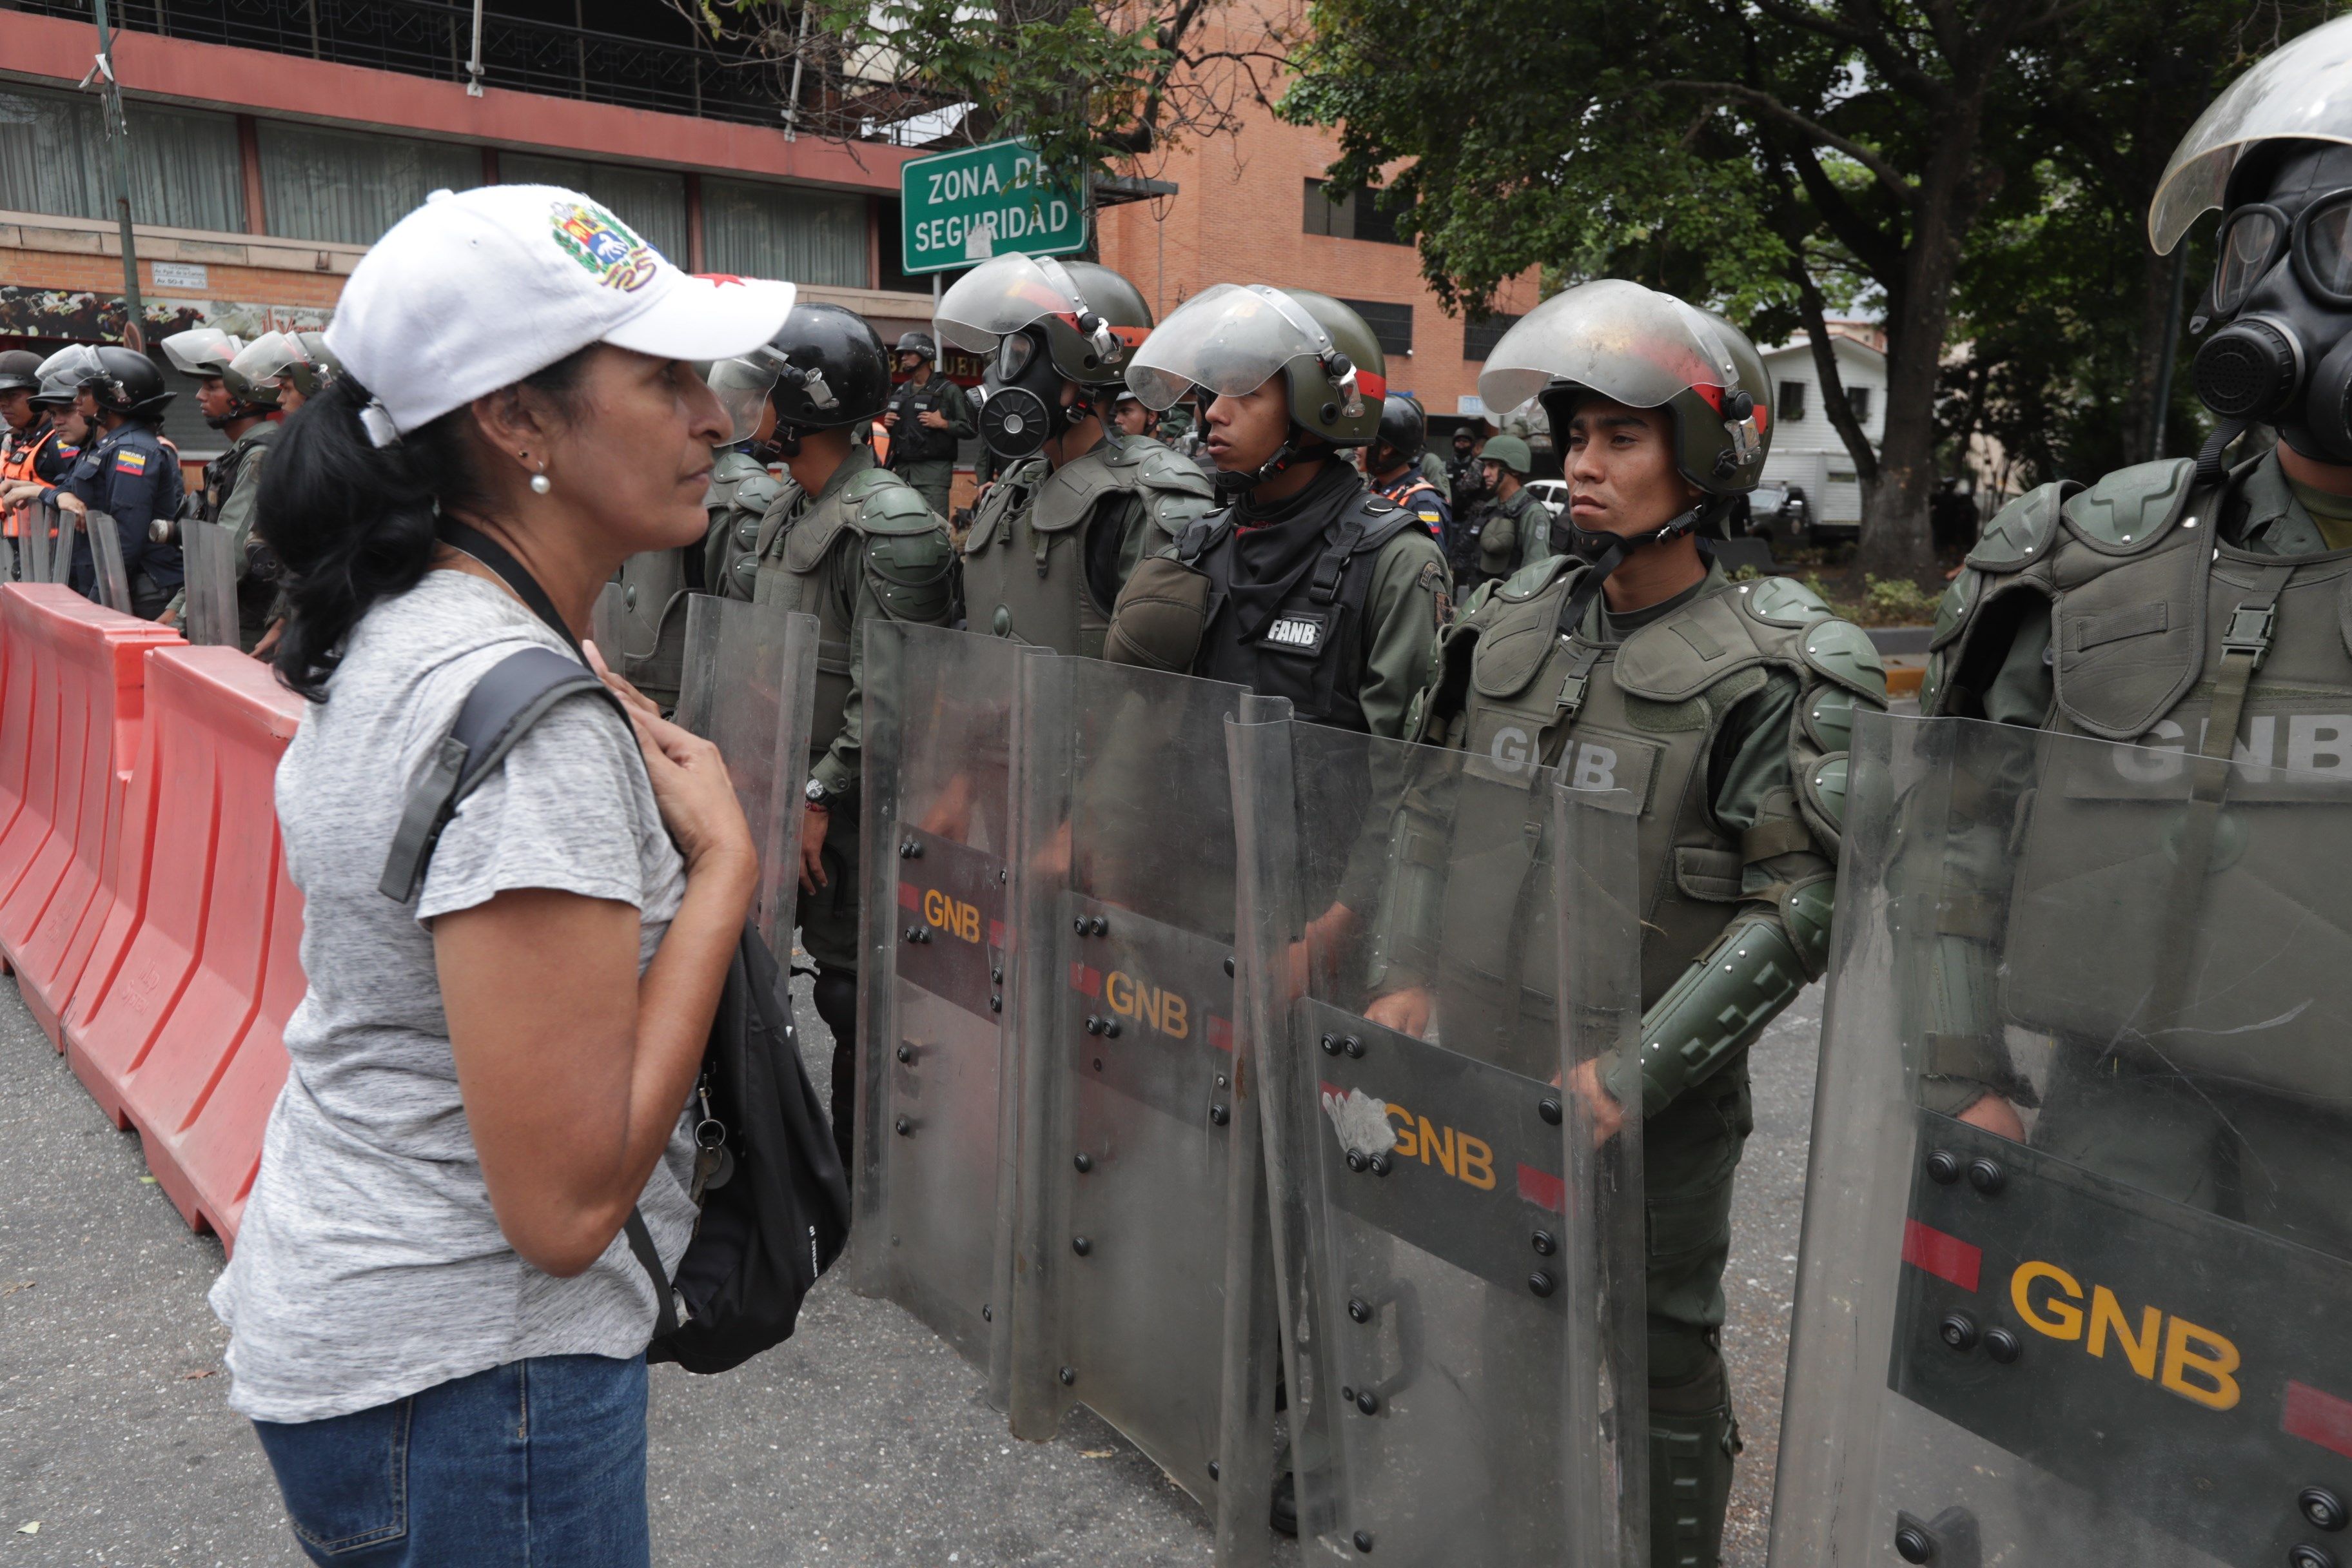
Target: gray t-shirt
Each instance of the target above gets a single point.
(369, 1264)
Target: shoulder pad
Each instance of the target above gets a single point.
(1202, 534)
(1782, 602)
(1533, 578)
(2020, 534)
(1824, 786)
(1163, 469)
(890, 505)
(2127, 511)
(757, 492)
(1380, 520)
(1952, 611)
(1843, 653)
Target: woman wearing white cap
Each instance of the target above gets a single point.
(437, 1326)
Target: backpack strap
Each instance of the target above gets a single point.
(499, 711)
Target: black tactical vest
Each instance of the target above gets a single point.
(1312, 651)
(911, 440)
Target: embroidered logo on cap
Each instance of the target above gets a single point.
(603, 245)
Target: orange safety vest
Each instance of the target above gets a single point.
(17, 463)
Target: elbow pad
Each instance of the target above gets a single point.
(1718, 1006)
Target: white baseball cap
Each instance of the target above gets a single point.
(477, 290)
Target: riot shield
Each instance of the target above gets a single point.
(1140, 1286)
(112, 587)
(750, 683)
(1459, 1248)
(934, 1179)
(608, 621)
(38, 520)
(209, 557)
(2077, 1251)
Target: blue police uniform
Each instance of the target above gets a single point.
(130, 476)
(1411, 491)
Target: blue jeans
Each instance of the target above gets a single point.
(532, 1464)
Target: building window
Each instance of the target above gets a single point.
(651, 201)
(347, 187)
(1480, 336)
(784, 231)
(186, 172)
(1349, 213)
(1792, 400)
(1391, 324)
(1858, 399)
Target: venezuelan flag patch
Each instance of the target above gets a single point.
(132, 463)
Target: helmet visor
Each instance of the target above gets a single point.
(1630, 344)
(265, 358)
(1229, 339)
(1003, 295)
(200, 350)
(71, 366)
(744, 385)
(2303, 91)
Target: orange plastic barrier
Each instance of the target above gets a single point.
(183, 1040)
(70, 705)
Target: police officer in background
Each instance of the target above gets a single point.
(926, 415)
(297, 363)
(1130, 419)
(25, 432)
(1635, 664)
(843, 541)
(1077, 505)
(1393, 465)
(1466, 484)
(1517, 529)
(126, 471)
(1303, 585)
(239, 407)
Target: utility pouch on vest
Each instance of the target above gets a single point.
(1161, 616)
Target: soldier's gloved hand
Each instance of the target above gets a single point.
(1315, 955)
(1996, 1116)
(1406, 1011)
(949, 815)
(813, 821)
(1608, 1116)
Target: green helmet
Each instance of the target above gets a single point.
(205, 353)
(1636, 346)
(300, 357)
(1511, 452)
(1091, 317)
(1231, 339)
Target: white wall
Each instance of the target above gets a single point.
(1808, 451)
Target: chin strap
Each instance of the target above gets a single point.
(1609, 552)
(1242, 482)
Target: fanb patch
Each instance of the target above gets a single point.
(603, 245)
(1300, 632)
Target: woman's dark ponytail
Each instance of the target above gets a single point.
(352, 523)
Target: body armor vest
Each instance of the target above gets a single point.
(20, 462)
(911, 440)
(741, 491)
(1041, 564)
(1312, 650)
(866, 524)
(224, 473)
(2164, 634)
(1530, 520)
(1643, 716)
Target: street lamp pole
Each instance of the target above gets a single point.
(118, 137)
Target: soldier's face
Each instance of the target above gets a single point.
(1621, 470)
(1244, 432)
(289, 396)
(1131, 417)
(213, 399)
(16, 407)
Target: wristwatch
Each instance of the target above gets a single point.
(817, 795)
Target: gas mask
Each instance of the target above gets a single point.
(2284, 286)
(1021, 407)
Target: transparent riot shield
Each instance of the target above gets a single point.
(113, 585)
(1459, 1244)
(208, 554)
(749, 689)
(1141, 1284)
(608, 621)
(38, 522)
(933, 1186)
(2077, 1254)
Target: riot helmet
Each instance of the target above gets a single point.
(20, 371)
(1045, 323)
(122, 380)
(1232, 339)
(917, 344)
(208, 353)
(300, 360)
(825, 369)
(1404, 429)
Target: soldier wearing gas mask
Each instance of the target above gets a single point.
(1075, 505)
(843, 541)
(1305, 585)
(1723, 708)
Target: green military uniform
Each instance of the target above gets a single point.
(1434, 470)
(232, 496)
(1514, 535)
(1050, 548)
(867, 544)
(741, 491)
(1725, 710)
(923, 456)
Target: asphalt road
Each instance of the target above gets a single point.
(863, 1440)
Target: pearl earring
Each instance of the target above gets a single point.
(539, 483)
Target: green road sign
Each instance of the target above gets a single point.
(961, 207)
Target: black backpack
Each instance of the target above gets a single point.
(775, 1220)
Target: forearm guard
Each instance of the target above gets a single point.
(1719, 1006)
